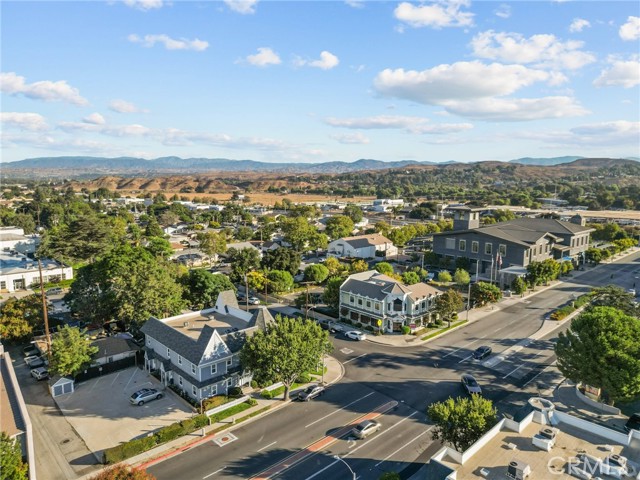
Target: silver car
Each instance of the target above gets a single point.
(145, 395)
(311, 392)
(366, 428)
(470, 384)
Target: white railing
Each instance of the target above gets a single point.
(227, 405)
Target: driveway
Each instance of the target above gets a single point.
(101, 413)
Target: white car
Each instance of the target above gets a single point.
(254, 301)
(355, 335)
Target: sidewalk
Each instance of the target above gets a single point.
(334, 373)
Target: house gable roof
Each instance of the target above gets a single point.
(362, 241)
(227, 298)
(377, 286)
(110, 346)
(262, 318)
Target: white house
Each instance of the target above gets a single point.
(386, 204)
(364, 246)
(19, 272)
(373, 299)
(13, 238)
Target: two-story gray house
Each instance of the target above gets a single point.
(371, 297)
(198, 351)
(515, 243)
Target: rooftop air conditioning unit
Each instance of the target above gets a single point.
(617, 460)
(518, 470)
(549, 433)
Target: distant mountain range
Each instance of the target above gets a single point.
(86, 166)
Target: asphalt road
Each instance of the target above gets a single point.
(395, 385)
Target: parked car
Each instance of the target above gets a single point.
(40, 373)
(30, 350)
(366, 428)
(34, 361)
(254, 301)
(470, 384)
(482, 352)
(633, 423)
(145, 395)
(311, 392)
(355, 335)
(54, 291)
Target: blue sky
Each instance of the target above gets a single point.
(312, 81)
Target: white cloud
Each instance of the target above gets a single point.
(517, 109)
(352, 138)
(630, 30)
(122, 106)
(144, 5)
(377, 122)
(46, 90)
(542, 50)
(133, 130)
(607, 134)
(24, 121)
(327, 61)
(442, 128)
(579, 24)
(244, 7)
(94, 119)
(443, 13)
(66, 145)
(503, 11)
(459, 81)
(169, 43)
(355, 3)
(264, 57)
(620, 73)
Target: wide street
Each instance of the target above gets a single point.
(395, 385)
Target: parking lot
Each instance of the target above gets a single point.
(101, 413)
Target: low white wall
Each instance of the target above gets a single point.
(482, 441)
(228, 405)
(609, 434)
(598, 405)
(518, 426)
(273, 387)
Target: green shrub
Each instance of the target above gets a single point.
(304, 378)
(168, 433)
(419, 332)
(215, 401)
(266, 394)
(128, 449)
(199, 421)
(406, 330)
(252, 402)
(254, 384)
(234, 392)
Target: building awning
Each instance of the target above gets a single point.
(567, 259)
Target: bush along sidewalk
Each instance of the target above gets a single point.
(170, 432)
(571, 307)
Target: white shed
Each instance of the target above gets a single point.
(61, 385)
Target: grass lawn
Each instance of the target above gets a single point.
(442, 330)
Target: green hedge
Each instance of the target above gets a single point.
(170, 432)
(566, 310)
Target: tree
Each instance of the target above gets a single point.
(359, 266)
(339, 226)
(601, 349)
(354, 212)
(242, 262)
(256, 280)
(153, 228)
(70, 351)
(18, 316)
(483, 293)
(123, 472)
(461, 277)
(11, 465)
(282, 259)
(203, 287)
(168, 217)
(331, 295)
(616, 297)
(384, 268)
(519, 286)
(299, 233)
(542, 272)
(159, 247)
(444, 276)
(448, 304)
(316, 273)
(212, 243)
(284, 351)
(334, 266)
(461, 422)
(279, 281)
(410, 278)
(243, 234)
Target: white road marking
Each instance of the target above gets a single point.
(346, 351)
(466, 344)
(132, 375)
(354, 358)
(116, 377)
(267, 446)
(465, 359)
(336, 411)
(537, 375)
(217, 471)
(410, 441)
(514, 370)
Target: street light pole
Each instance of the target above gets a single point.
(342, 460)
(45, 314)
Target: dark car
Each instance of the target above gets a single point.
(311, 392)
(481, 352)
(30, 350)
(633, 423)
(470, 384)
(145, 395)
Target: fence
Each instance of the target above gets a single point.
(107, 368)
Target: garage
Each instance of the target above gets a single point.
(61, 385)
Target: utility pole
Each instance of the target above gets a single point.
(44, 312)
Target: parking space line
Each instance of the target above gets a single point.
(116, 377)
(403, 446)
(132, 375)
(465, 359)
(336, 411)
(537, 375)
(514, 370)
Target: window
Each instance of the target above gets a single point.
(474, 247)
(230, 382)
(214, 368)
(229, 362)
(352, 299)
(194, 390)
(3, 285)
(179, 380)
(450, 243)
(179, 360)
(193, 368)
(376, 306)
(359, 301)
(462, 245)
(110, 359)
(488, 248)
(368, 304)
(214, 390)
(168, 352)
(502, 250)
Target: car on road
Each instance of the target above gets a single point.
(40, 373)
(633, 423)
(482, 352)
(366, 428)
(470, 384)
(34, 361)
(355, 335)
(311, 392)
(145, 395)
(54, 291)
(254, 301)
